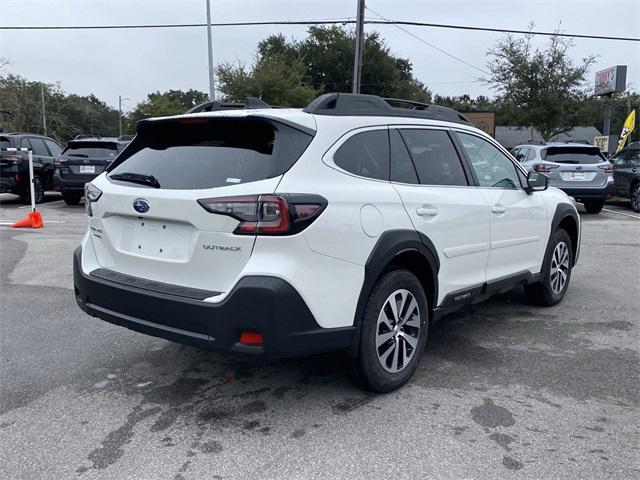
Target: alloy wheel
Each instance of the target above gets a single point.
(559, 267)
(398, 331)
(635, 199)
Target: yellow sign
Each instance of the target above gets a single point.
(629, 126)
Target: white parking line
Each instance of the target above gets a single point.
(43, 204)
(45, 221)
(621, 213)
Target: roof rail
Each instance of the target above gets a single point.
(249, 103)
(348, 104)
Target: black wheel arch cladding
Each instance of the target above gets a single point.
(392, 245)
(566, 217)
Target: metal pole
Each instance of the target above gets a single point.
(607, 117)
(212, 89)
(119, 115)
(44, 112)
(357, 63)
(33, 195)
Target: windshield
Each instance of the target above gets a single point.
(582, 155)
(198, 153)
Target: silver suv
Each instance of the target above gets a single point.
(580, 170)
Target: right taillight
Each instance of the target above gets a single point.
(91, 195)
(11, 158)
(608, 168)
(544, 167)
(283, 214)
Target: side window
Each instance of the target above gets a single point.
(402, 169)
(24, 143)
(434, 157)
(54, 148)
(531, 154)
(365, 154)
(38, 147)
(633, 157)
(492, 167)
(620, 158)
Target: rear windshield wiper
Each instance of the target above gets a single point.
(148, 180)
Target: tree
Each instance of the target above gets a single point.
(171, 102)
(544, 87)
(291, 73)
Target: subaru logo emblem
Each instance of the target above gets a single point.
(140, 205)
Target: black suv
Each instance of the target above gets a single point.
(627, 174)
(14, 166)
(81, 161)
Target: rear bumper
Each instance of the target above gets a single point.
(269, 305)
(589, 193)
(9, 184)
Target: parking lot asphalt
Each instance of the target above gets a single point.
(505, 390)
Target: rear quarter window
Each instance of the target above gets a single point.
(4, 142)
(201, 153)
(365, 154)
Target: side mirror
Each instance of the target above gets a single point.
(536, 182)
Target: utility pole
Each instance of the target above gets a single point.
(119, 115)
(357, 63)
(212, 88)
(44, 112)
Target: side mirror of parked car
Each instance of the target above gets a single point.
(536, 182)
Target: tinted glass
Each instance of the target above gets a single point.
(91, 149)
(4, 142)
(633, 157)
(531, 154)
(53, 147)
(211, 152)
(38, 147)
(365, 154)
(402, 169)
(572, 155)
(435, 157)
(492, 167)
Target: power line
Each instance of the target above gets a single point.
(420, 39)
(319, 22)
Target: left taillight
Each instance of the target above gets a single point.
(91, 195)
(11, 158)
(283, 214)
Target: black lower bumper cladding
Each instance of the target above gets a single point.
(268, 305)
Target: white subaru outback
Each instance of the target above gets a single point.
(352, 224)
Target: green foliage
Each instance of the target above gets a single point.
(172, 102)
(544, 87)
(291, 73)
(67, 115)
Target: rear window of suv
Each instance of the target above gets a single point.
(199, 153)
(91, 149)
(582, 155)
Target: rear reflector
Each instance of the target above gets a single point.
(251, 338)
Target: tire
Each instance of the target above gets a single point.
(38, 190)
(71, 198)
(383, 369)
(593, 206)
(635, 198)
(550, 290)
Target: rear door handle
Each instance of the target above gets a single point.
(427, 212)
(498, 209)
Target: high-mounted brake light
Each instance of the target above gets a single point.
(284, 214)
(544, 167)
(608, 169)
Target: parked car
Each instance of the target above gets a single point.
(627, 174)
(80, 162)
(14, 165)
(580, 170)
(352, 224)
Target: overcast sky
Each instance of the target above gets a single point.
(133, 63)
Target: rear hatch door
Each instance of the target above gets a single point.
(576, 166)
(158, 230)
(86, 158)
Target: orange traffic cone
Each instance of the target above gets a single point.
(32, 220)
